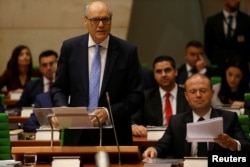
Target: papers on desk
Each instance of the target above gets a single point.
(45, 134)
(228, 107)
(9, 163)
(160, 162)
(155, 132)
(198, 161)
(26, 111)
(204, 131)
(66, 161)
(15, 95)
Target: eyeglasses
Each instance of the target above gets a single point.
(96, 21)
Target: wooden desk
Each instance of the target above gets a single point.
(138, 141)
(9, 102)
(29, 143)
(140, 164)
(87, 153)
(143, 141)
(17, 119)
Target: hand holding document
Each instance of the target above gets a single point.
(204, 131)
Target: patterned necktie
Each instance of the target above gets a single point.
(202, 146)
(94, 80)
(168, 108)
(229, 27)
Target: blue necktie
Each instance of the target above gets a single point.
(94, 80)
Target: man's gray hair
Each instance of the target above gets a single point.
(86, 8)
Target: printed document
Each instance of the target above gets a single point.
(204, 131)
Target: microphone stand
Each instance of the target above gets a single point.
(113, 124)
(52, 130)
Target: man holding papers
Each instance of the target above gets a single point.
(198, 92)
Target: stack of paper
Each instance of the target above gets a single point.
(66, 161)
(204, 131)
(155, 132)
(159, 162)
(15, 133)
(10, 163)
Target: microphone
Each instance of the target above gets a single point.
(113, 124)
(102, 159)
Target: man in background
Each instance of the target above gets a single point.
(155, 110)
(47, 62)
(227, 33)
(199, 92)
(194, 62)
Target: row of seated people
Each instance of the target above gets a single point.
(164, 78)
(232, 92)
(30, 88)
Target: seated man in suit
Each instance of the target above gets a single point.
(195, 63)
(154, 112)
(47, 60)
(199, 92)
(43, 100)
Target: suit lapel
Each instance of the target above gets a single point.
(220, 27)
(158, 106)
(188, 119)
(112, 55)
(180, 106)
(214, 114)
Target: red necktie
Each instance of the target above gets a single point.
(168, 108)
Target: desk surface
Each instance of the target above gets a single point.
(93, 165)
(87, 153)
(9, 102)
(138, 141)
(17, 119)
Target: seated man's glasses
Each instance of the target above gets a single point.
(96, 21)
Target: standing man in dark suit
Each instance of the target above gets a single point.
(227, 34)
(47, 62)
(199, 92)
(120, 72)
(153, 111)
(194, 62)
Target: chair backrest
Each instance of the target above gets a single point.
(247, 96)
(2, 105)
(244, 121)
(215, 80)
(5, 148)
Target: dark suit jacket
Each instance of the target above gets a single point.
(174, 141)
(42, 100)
(151, 112)
(183, 74)
(217, 47)
(122, 80)
(31, 90)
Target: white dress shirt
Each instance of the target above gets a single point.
(103, 54)
(172, 99)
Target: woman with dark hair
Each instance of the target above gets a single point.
(18, 71)
(234, 83)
